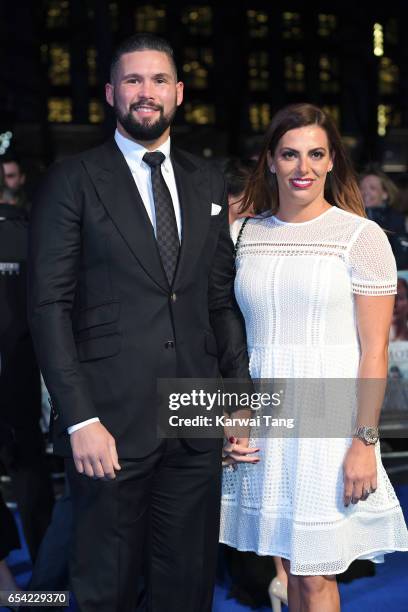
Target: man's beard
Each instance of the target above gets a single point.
(147, 129)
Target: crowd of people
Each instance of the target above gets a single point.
(22, 448)
(144, 262)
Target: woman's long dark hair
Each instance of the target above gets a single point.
(341, 189)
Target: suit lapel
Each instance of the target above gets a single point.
(195, 201)
(117, 190)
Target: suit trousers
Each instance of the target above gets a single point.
(159, 519)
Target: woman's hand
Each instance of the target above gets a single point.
(360, 472)
(236, 450)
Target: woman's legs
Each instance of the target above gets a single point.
(280, 571)
(312, 593)
(293, 589)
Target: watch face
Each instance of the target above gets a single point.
(371, 434)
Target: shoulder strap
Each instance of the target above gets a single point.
(245, 221)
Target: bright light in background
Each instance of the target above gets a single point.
(381, 120)
(5, 140)
(378, 40)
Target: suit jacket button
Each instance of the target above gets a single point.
(169, 344)
(173, 297)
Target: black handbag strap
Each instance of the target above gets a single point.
(238, 242)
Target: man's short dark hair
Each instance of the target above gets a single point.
(142, 42)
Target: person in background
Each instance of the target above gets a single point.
(380, 195)
(15, 179)
(403, 198)
(9, 538)
(237, 173)
(399, 326)
(23, 450)
(381, 200)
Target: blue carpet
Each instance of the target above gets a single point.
(385, 592)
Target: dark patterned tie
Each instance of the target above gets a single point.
(166, 226)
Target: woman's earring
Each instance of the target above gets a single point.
(272, 169)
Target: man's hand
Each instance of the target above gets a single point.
(94, 451)
(360, 472)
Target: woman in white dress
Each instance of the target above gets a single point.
(315, 283)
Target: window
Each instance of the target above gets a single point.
(91, 57)
(198, 20)
(257, 24)
(197, 64)
(291, 26)
(294, 70)
(327, 25)
(388, 76)
(96, 111)
(57, 14)
(328, 74)
(59, 65)
(114, 15)
(259, 116)
(387, 117)
(60, 110)
(201, 114)
(391, 31)
(149, 18)
(378, 40)
(258, 67)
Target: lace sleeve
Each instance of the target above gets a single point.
(373, 268)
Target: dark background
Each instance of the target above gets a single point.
(240, 62)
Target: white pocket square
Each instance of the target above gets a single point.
(215, 209)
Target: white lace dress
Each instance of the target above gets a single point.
(295, 284)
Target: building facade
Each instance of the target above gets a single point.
(239, 61)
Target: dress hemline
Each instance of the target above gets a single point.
(284, 555)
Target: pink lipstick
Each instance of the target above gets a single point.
(300, 183)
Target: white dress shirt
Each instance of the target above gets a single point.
(133, 154)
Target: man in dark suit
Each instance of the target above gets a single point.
(132, 272)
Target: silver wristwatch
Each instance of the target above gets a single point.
(369, 435)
